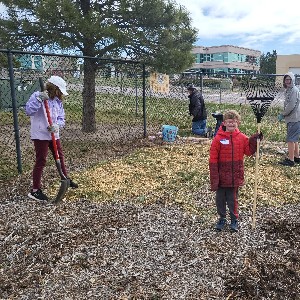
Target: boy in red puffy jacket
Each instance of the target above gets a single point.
(226, 166)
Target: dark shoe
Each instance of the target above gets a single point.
(287, 162)
(221, 224)
(38, 195)
(234, 225)
(297, 160)
(73, 184)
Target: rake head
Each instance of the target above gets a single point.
(260, 95)
(260, 107)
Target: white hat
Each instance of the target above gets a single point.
(60, 83)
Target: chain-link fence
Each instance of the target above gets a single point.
(221, 92)
(129, 103)
(117, 109)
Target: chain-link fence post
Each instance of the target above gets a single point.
(15, 111)
(144, 100)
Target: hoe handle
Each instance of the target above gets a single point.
(52, 133)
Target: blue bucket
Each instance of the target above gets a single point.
(169, 133)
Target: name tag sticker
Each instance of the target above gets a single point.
(224, 142)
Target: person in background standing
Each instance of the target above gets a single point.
(291, 116)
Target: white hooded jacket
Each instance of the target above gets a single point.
(38, 118)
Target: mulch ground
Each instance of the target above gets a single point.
(86, 250)
(82, 249)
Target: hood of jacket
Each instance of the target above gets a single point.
(290, 74)
(194, 92)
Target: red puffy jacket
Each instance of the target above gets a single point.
(226, 161)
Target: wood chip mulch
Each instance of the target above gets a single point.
(85, 250)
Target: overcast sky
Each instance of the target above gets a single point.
(263, 25)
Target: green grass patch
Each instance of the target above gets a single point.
(119, 109)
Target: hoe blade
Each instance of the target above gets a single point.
(64, 185)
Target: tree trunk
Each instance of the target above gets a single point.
(88, 96)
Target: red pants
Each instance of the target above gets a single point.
(41, 152)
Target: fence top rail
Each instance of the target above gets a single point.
(231, 74)
(70, 55)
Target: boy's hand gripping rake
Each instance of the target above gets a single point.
(64, 185)
(260, 96)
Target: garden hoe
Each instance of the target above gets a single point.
(64, 183)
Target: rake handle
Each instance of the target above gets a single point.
(256, 178)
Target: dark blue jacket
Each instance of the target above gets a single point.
(197, 106)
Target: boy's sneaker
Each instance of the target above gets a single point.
(287, 162)
(234, 225)
(297, 160)
(38, 195)
(221, 224)
(73, 184)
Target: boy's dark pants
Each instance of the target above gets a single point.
(227, 196)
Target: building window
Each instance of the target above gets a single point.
(225, 57)
(206, 57)
(217, 57)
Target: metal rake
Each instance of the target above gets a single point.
(260, 94)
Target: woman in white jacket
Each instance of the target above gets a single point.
(40, 130)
